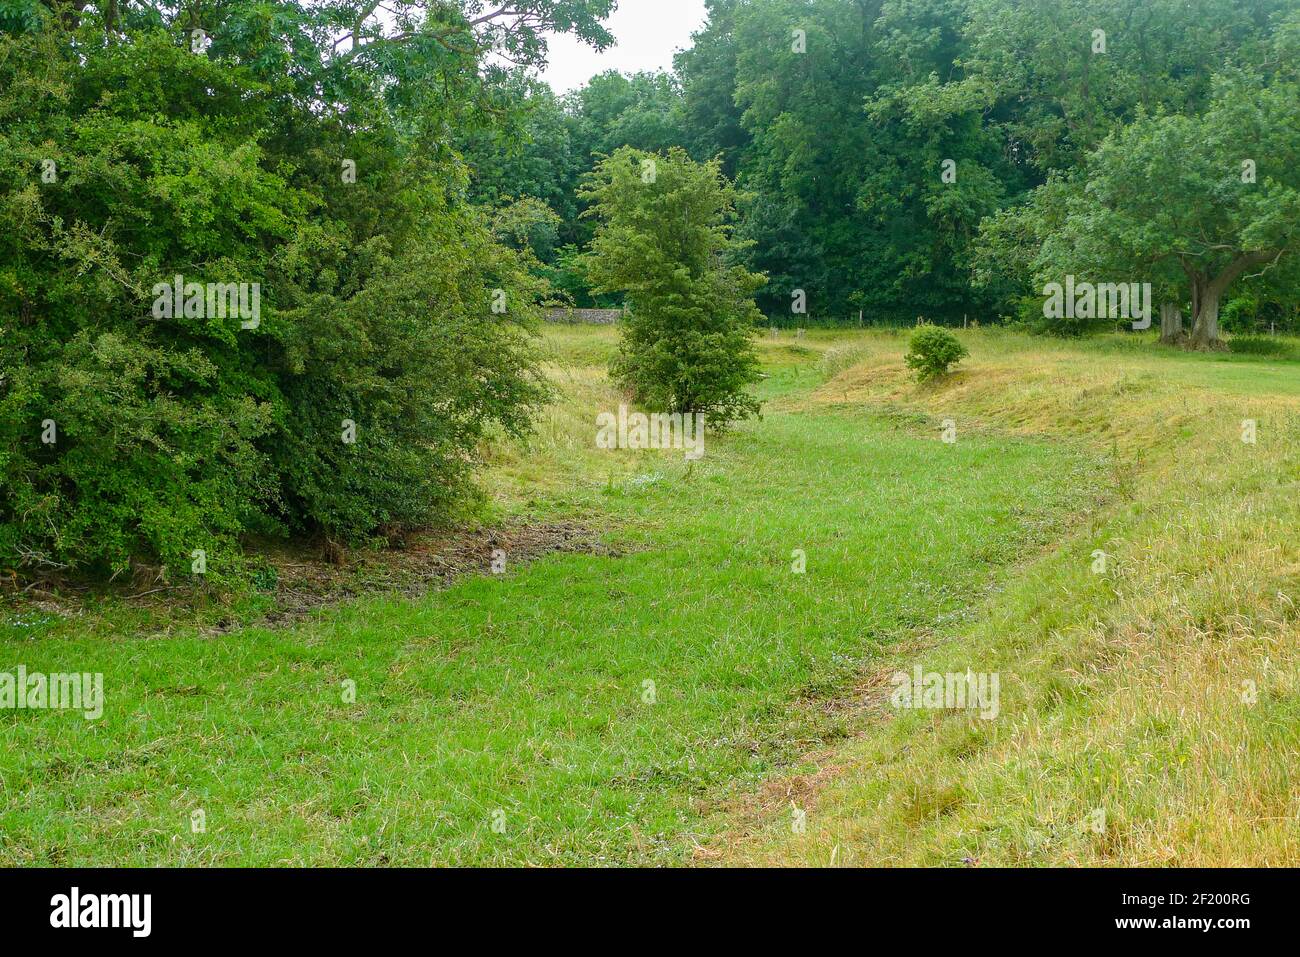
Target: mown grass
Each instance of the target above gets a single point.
(1150, 712)
(1161, 692)
(523, 700)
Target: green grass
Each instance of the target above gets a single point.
(1162, 691)
(526, 693)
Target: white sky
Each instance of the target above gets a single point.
(646, 34)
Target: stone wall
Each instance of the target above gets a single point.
(599, 317)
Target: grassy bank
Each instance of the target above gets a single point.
(596, 708)
(683, 695)
(1149, 711)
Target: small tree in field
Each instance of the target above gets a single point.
(665, 243)
(932, 352)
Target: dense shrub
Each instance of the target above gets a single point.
(124, 164)
(1270, 346)
(932, 352)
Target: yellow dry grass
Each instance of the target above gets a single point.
(1150, 713)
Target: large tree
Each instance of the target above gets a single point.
(1061, 75)
(301, 150)
(1209, 198)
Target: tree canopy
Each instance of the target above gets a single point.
(905, 158)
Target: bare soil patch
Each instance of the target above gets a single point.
(297, 580)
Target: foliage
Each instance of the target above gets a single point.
(894, 157)
(129, 156)
(872, 138)
(1174, 200)
(664, 241)
(932, 352)
(840, 129)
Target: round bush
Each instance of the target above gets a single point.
(933, 351)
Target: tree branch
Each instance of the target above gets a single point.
(1238, 266)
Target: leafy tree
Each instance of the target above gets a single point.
(528, 226)
(1210, 198)
(664, 241)
(613, 110)
(710, 117)
(545, 144)
(355, 403)
(839, 126)
(530, 153)
(1060, 75)
(803, 72)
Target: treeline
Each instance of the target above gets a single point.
(950, 158)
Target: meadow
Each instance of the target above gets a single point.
(710, 685)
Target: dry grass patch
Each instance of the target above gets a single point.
(1159, 695)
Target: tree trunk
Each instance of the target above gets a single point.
(1171, 323)
(1207, 294)
(1205, 333)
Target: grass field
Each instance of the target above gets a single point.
(684, 696)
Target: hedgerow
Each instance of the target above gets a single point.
(135, 428)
